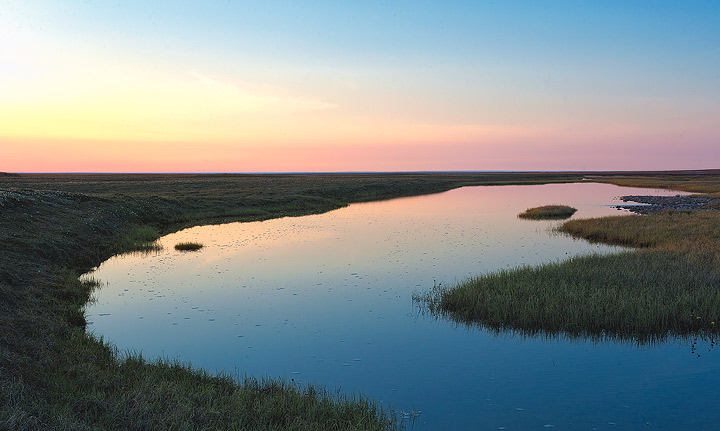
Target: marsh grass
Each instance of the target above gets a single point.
(96, 387)
(640, 295)
(118, 391)
(548, 212)
(140, 238)
(706, 183)
(188, 246)
(696, 232)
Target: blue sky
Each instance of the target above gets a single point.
(566, 84)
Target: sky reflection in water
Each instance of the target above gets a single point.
(327, 299)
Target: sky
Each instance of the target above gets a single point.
(337, 86)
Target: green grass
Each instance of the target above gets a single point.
(188, 246)
(631, 295)
(132, 393)
(140, 238)
(690, 231)
(95, 387)
(548, 212)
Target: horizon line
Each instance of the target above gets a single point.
(357, 172)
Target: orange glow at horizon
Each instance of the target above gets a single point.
(550, 152)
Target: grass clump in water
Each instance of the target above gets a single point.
(548, 212)
(188, 246)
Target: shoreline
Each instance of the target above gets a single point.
(658, 204)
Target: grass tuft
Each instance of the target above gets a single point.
(140, 238)
(188, 246)
(548, 212)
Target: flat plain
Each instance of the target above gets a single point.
(55, 227)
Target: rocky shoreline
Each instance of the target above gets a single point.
(658, 204)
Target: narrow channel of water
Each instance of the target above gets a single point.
(326, 299)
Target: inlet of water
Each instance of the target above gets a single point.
(326, 299)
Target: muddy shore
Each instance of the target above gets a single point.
(658, 204)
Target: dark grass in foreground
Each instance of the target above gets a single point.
(188, 246)
(80, 382)
(548, 212)
(630, 295)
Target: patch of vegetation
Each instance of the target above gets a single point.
(140, 238)
(696, 232)
(111, 390)
(188, 246)
(706, 182)
(632, 295)
(548, 212)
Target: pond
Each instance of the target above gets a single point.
(326, 299)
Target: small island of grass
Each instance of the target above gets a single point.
(548, 212)
(188, 246)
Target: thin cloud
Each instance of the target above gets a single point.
(261, 97)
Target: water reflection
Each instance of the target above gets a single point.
(327, 299)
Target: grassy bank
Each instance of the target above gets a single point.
(671, 287)
(632, 295)
(705, 183)
(54, 227)
(690, 231)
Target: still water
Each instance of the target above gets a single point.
(326, 299)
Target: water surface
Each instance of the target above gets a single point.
(326, 299)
